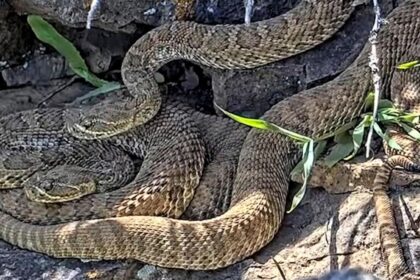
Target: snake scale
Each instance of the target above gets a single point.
(388, 232)
(254, 214)
(37, 152)
(218, 46)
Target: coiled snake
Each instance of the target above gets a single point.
(260, 187)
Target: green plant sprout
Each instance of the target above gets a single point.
(46, 33)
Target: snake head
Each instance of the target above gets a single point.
(109, 118)
(58, 185)
(98, 122)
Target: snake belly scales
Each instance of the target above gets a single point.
(254, 214)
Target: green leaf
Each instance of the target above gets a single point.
(378, 130)
(256, 123)
(391, 142)
(295, 136)
(390, 111)
(412, 118)
(408, 65)
(308, 162)
(385, 103)
(369, 100)
(387, 118)
(46, 33)
(297, 198)
(304, 168)
(340, 151)
(262, 124)
(108, 87)
(411, 131)
(358, 133)
(319, 150)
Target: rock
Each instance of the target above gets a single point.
(188, 83)
(18, 264)
(115, 16)
(354, 175)
(26, 98)
(14, 100)
(346, 274)
(15, 36)
(100, 48)
(233, 11)
(37, 70)
(123, 16)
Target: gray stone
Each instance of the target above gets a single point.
(125, 15)
(56, 93)
(112, 15)
(15, 36)
(38, 70)
(233, 11)
(19, 264)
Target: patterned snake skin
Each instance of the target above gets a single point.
(218, 46)
(388, 232)
(257, 204)
(405, 89)
(36, 151)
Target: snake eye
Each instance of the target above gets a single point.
(86, 123)
(108, 178)
(47, 184)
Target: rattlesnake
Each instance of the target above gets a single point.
(260, 186)
(388, 232)
(221, 148)
(405, 91)
(169, 142)
(33, 142)
(218, 46)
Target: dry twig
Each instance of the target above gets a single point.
(249, 5)
(373, 64)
